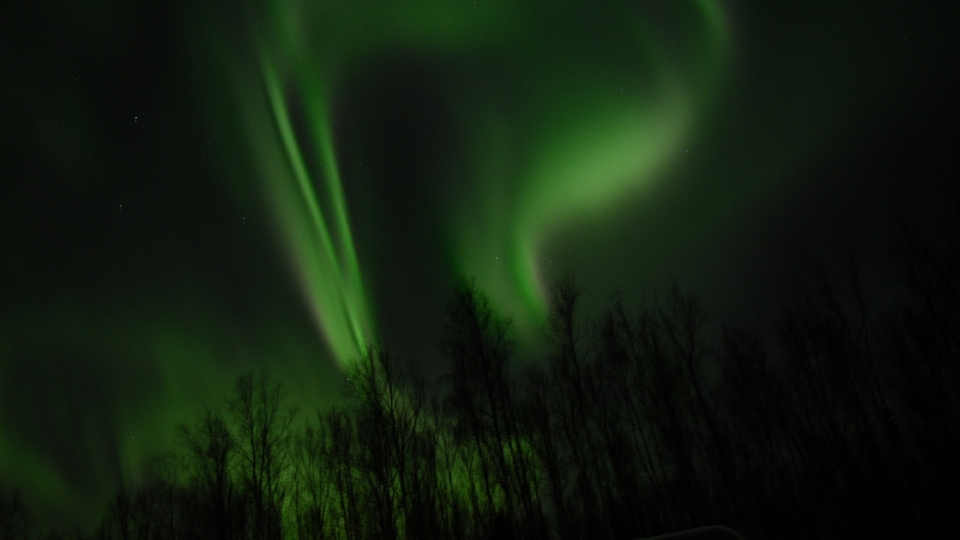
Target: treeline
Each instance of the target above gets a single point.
(846, 425)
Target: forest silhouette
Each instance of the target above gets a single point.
(845, 424)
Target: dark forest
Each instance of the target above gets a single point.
(845, 423)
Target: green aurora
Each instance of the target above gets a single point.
(199, 192)
(589, 132)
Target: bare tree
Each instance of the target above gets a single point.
(342, 470)
(262, 423)
(312, 494)
(208, 457)
(15, 522)
(483, 401)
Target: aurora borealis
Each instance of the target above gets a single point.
(589, 142)
(190, 192)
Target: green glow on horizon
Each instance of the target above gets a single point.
(588, 146)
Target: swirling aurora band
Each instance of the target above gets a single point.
(592, 134)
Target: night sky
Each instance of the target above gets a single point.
(188, 193)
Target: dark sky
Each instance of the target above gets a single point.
(187, 193)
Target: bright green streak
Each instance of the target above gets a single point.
(298, 44)
(599, 119)
(331, 277)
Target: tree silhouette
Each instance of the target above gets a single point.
(208, 459)
(264, 435)
(845, 423)
(15, 521)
